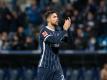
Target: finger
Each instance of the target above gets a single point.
(65, 20)
(69, 18)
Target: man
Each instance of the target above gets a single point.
(104, 73)
(49, 67)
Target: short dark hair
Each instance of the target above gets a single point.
(48, 13)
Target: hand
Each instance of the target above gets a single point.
(67, 24)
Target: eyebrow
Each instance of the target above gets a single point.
(55, 16)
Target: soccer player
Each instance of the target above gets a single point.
(104, 73)
(49, 67)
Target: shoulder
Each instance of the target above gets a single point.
(44, 32)
(43, 28)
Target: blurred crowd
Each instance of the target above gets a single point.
(24, 73)
(19, 29)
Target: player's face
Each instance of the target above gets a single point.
(53, 19)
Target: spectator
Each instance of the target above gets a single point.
(91, 6)
(56, 4)
(88, 24)
(14, 22)
(102, 7)
(79, 40)
(20, 33)
(33, 14)
(76, 18)
(29, 44)
(19, 39)
(6, 17)
(68, 11)
(102, 18)
(15, 43)
(21, 16)
(92, 44)
(90, 21)
(103, 74)
(0, 41)
(29, 30)
(4, 41)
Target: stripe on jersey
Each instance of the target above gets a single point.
(43, 50)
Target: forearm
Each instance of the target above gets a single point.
(56, 38)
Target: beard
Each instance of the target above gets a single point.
(55, 24)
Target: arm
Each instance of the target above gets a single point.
(68, 37)
(55, 38)
(101, 75)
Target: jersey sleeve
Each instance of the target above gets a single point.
(53, 38)
(68, 37)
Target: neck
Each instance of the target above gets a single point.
(51, 26)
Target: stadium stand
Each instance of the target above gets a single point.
(19, 30)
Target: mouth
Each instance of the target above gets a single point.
(57, 21)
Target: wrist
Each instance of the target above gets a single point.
(64, 28)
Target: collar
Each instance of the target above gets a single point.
(50, 28)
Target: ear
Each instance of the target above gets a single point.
(48, 19)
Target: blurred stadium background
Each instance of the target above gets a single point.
(83, 55)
